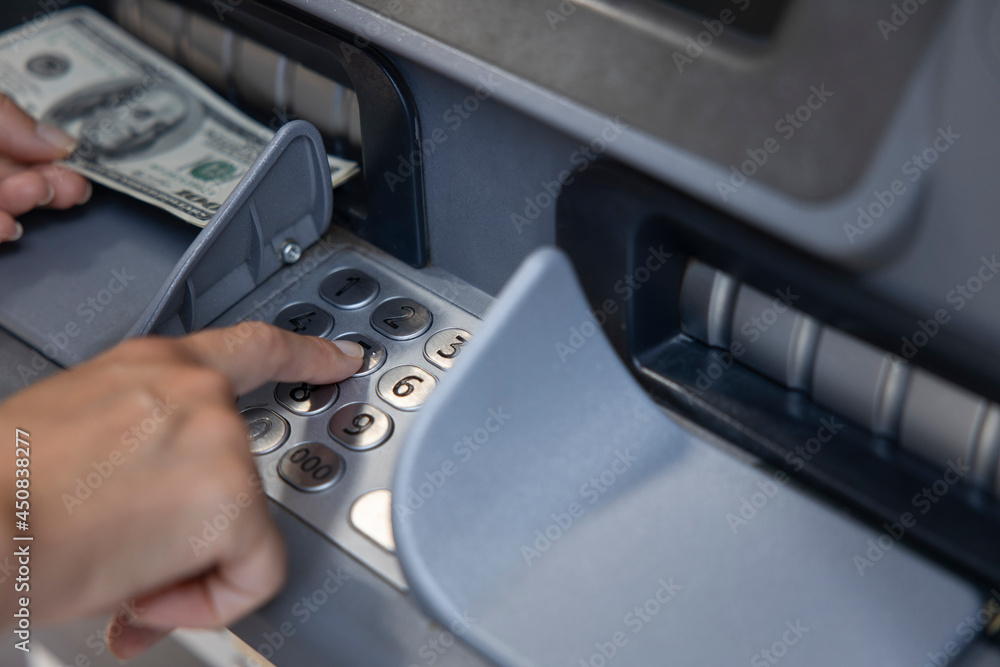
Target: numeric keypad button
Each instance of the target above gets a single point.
(360, 426)
(375, 354)
(349, 288)
(443, 347)
(311, 467)
(306, 399)
(401, 318)
(305, 318)
(266, 431)
(406, 387)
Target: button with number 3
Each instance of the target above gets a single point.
(406, 387)
(443, 347)
(360, 426)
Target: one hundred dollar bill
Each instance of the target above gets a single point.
(146, 127)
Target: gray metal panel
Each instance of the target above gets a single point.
(90, 271)
(588, 501)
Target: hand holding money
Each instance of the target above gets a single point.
(28, 177)
(145, 126)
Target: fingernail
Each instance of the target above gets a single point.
(350, 348)
(53, 135)
(18, 232)
(86, 195)
(49, 196)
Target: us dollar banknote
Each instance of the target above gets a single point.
(146, 127)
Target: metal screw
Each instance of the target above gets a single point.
(291, 253)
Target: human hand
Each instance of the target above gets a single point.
(28, 179)
(155, 419)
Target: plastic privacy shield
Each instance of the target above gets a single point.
(285, 197)
(549, 512)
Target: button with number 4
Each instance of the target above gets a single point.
(360, 426)
(311, 467)
(443, 347)
(305, 318)
(406, 387)
(401, 319)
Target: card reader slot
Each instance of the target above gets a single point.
(262, 77)
(876, 390)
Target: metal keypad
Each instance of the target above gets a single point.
(401, 319)
(361, 420)
(311, 467)
(444, 347)
(305, 318)
(406, 387)
(266, 431)
(306, 399)
(375, 354)
(360, 426)
(349, 288)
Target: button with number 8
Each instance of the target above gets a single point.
(360, 426)
(311, 467)
(406, 387)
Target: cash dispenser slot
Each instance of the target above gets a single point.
(795, 361)
(276, 66)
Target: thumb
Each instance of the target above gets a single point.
(24, 140)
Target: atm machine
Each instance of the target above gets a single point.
(683, 323)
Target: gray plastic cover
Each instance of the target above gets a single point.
(550, 513)
(286, 196)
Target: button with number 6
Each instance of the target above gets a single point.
(360, 426)
(406, 387)
(311, 467)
